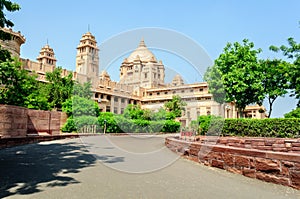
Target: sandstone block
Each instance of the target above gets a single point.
(267, 165)
(217, 163)
(241, 161)
(272, 178)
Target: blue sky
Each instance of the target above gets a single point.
(209, 23)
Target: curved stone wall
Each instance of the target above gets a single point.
(267, 165)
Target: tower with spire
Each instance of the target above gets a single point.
(87, 59)
(141, 68)
(46, 57)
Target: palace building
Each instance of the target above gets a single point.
(142, 81)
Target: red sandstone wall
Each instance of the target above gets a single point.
(276, 167)
(268, 144)
(13, 121)
(20, 122)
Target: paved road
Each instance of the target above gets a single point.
(119, 167)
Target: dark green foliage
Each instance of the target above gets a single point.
(59, 88)
(275, 75)
(69, 126)
(292, 51)
(238, 69)
(175, 106)
(4, 22)
(9, 6)
(110, 120)
(213, 77)
(217, 126)
(83, 90)
(171, 126)
(209, 125)
(271, 127)
(16, 84)
(134, 112)
(293, 114)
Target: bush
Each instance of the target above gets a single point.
(80, 124)
(271, 127)
(171, 126)
(293, 114)
(210, 125)
(69, 126)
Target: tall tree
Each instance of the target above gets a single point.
(274, 80)
(176, 105)
(4, 22)
(213, 77)
(59, 88)
(239, 68)
(16, 84)
(292, 51)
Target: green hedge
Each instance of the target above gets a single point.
(277, 127)
(119, 124)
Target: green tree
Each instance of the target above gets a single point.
(38, 99)
(83, 90)
(133, 112)
(175, 106)
(274, 80)
(59, 88)
(239, 68)
(292, 51)
(4, 22)
(16, 84)
(213, 77)
(293, 114)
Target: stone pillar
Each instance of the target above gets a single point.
(112, 104)
(119, 105)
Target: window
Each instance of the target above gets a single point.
(158, 93)
(96, 95)
(166, 93)
(182, 91)
(191, 90)
(115, 110)
(146, 74)
(201, 89)
(108, 109)
(174, 92)
(115, 99)
(108, 97)
(122, 100)
(150, 94)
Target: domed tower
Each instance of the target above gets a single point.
(87, 59)
(46, 56)
(13, 45)
(141, 68)
(177, 81)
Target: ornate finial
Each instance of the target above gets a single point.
(88, 27)
(142, 43)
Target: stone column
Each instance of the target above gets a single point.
(119, 105)
(112, 104)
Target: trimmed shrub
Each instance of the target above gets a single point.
(171, 126)
(271, 127)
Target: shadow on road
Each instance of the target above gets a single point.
(31, 168)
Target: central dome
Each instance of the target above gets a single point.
(143, 53)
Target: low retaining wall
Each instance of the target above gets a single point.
(11, 142)
(268, 144)
(20, 122)
(276, 167)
